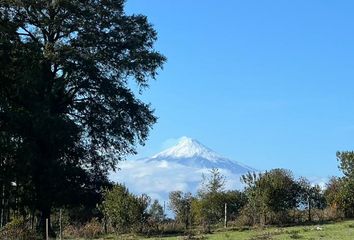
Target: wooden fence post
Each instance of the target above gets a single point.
(225, 219)
(60, 225)
(46, 229)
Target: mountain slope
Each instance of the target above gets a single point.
(189, 152)
(178, 168)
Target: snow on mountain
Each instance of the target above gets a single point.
(188, 148)
(189, 152)
(178, 168)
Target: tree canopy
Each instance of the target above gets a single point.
(181, 205)
(67, 111)
(123, 210)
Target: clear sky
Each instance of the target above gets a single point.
(267, 83)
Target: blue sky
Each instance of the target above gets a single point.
(267, 83)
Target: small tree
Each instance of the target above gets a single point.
(333, 194)
(156, 212)
(211, 199)
(311, 196)
(235, 201)
(346, 164)
(124, 210)
(181, 205)
(213, 183)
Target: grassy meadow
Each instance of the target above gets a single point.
(332, 231)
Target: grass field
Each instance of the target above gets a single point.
(334, 231)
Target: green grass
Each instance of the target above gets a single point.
(333, 231)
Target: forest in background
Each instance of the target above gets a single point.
(271, 198)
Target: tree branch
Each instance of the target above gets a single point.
(28, 34)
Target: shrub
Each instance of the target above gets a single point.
(171, 228)
(333, 213)
(17, 230)
(71, 231)
(91, 229)
(248, 216)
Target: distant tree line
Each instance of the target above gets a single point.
(271, 197)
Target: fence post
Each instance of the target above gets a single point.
(60, 225)
(46, 229)
(225, 219)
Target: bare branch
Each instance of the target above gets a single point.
(28, 34)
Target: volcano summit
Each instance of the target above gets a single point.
(191, 153)
(177, 168)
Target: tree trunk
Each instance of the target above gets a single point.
(309, 211)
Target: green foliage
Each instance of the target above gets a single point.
(92, 229)
(333, 231)
(17, 230)
(124, 211)
(346, 163)
(156, 212)
(333, 192)
(67, 113)
(209, 205)
(251, 212)
(311, 196)
(211, 199)
(211, 209)
(346, 184)
(279, 189)
(89, 230)
(181, 205)
(214, 182)
(347, 197)
(235, 201)
(271, 193)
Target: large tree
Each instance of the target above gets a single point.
(67, 67)
(270, 195)
(346, 183)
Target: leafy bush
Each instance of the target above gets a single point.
(71, 231)
(248, 216)
(171, 228)
(91, 229)
(125, 211)
(17, 229)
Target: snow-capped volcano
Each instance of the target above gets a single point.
(189, 152)
(187, 148)
(178, 168)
